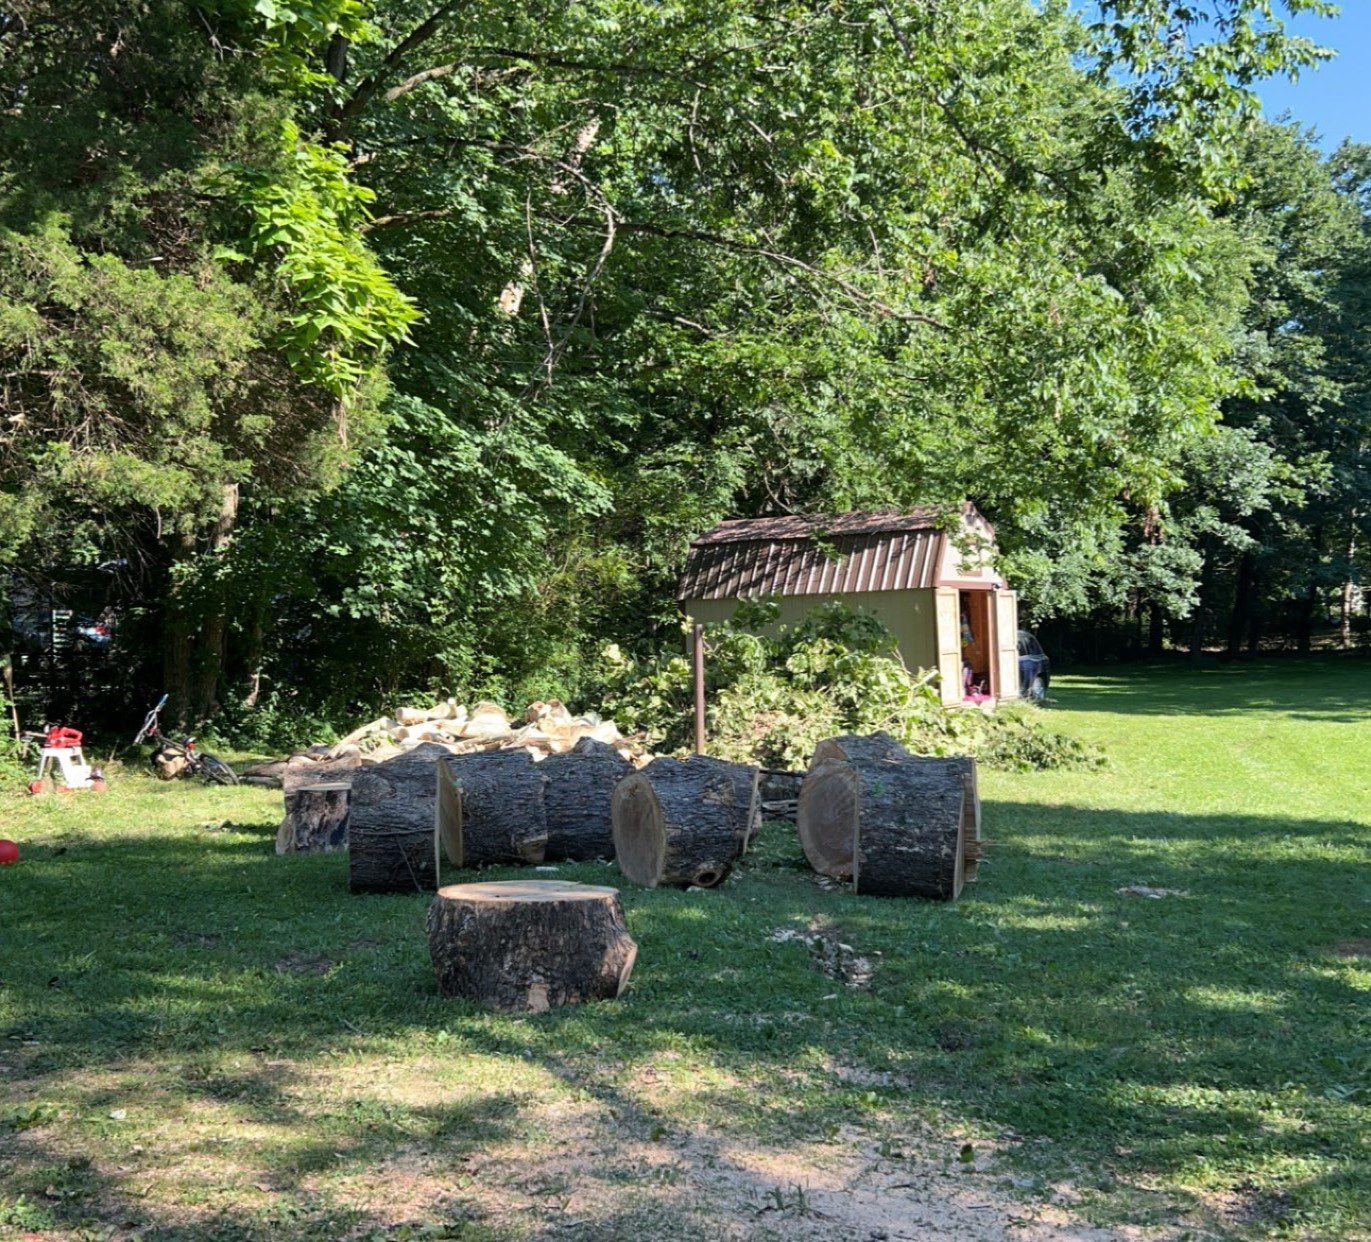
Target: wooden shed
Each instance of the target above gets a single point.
(929, 576)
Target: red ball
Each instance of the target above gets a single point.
(9, 853)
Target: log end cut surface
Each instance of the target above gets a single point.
(826, 816)
(639, 831)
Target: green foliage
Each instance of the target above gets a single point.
(343, 310)
(774, 692)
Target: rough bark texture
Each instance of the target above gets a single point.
(910, 831)
(528, 946)
(299, 773)
(391, 836)
(316, 819)
(828, 810)
(492, 808)
(683, 822)
(580, 791)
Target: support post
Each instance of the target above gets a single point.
(698, 651)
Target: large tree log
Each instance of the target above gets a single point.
(905, 818)
(492, 808)
(580, 794)
(529, 945)
(683, 822)
(827, 826)
(392, 842)
(316, 819)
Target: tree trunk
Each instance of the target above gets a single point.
(492, 808)
(301, 772)
(392, 842)
(209, 661)
(178, 645)
(529, 946)
(316, 819)
(580, 793)
(1240, 618)
(683, 822)
(1349, 591)
(1156, 633)
(1304, 621)
(855, 747)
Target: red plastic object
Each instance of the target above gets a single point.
(9, 853)
(59, 738)
(36, 787)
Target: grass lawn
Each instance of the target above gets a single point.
(199, 1039)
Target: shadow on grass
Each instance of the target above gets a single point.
(1214, 1026)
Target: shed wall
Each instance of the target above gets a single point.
(907, 614)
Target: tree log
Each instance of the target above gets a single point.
(827, 826)
(528, 946)
(683, 822)
(580, 793)
(392, 842)
(911, 830)
(492, 808)
(316, 819)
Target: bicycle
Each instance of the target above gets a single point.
(167, 751)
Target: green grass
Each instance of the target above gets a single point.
(201, 1039)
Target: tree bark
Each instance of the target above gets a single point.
(1240, 618)
(316, 819)
(392, 842)
(580, 794)
(910, 832)
(299, 773)
(208, 664)
(178, 642)
(529, 946)
(492, 808)
(1304, 620)
(683, 822)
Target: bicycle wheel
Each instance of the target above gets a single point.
(214, 769)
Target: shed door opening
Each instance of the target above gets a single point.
(978, 650)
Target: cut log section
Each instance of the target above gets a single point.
(580, 793)
(910, 831)
(316, 819)
(684, 822)
(529, 946)
(492, 808)
(392, 842)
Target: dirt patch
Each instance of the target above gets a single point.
(832, 955)
(1359, 946)
(304, 964)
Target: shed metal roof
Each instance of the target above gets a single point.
(792, 555)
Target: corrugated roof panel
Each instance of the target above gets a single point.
(895, 561)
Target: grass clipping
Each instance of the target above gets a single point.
(774, 692)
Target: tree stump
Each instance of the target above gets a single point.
(492, 808)
(392, 842)
(316, 819)
(683, 822)
(528, 946)
(580, 793)
(850, 746)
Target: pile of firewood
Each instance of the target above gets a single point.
(545, 729)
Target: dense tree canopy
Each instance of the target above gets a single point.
(389, 343)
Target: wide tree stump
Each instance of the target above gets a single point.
(580, 793)
(392, 842)
(492, 808)
(683, 822)
(529, 945)
(316, 819)
(852, 746)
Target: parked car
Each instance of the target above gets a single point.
(1035, 669)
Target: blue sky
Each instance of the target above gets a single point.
(1334, 98)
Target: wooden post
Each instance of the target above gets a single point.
(699, 654)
